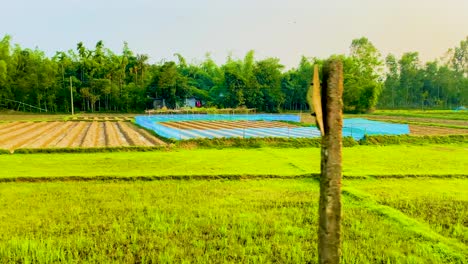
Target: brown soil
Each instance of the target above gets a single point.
(50, 135)
(420, 120)
(60, 138)
(134, 136)
(31, 134)
(419, 130)
(225, 124)
(112, 137)
(78, 135)
(152, 139)
(74, 134)
(8, 127)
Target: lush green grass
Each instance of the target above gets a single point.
(248, 143)
(444, 207)
(358, 161)
(386, 220)
(255, 221)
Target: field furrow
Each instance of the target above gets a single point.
(421, 130)
(113, 138)
(23, 139)
(191, 125)
(91, 136)
(134, 138)
(119, 134)
(262, 124)
(222, 125)
(225, 124)
(211, 125)
(8, 127)
(64, 133)
(100, 140)
(51, 135)
(145, 134)
(73, 137)
(5, 137)
(200, 129)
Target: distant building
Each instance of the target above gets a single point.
(193, 102)
(158, 103)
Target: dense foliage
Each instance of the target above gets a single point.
(437, 84)
(105, 81)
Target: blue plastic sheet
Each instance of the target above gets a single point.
(355, 127)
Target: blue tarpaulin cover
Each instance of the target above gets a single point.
(353, 127)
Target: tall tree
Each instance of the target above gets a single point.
(268, 76)
(5, 88)
(362, 71)
(392, 82)
(410, 79)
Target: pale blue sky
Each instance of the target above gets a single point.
(285, 29)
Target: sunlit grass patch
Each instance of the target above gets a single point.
(443, 204)
(198, 221)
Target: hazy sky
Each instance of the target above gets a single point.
(285, 29)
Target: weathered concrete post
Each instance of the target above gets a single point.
(328, 104)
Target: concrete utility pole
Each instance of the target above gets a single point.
(329, 102)
(71, 97)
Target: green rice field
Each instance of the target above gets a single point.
(232, 221)
(402, 203)
(358, 161)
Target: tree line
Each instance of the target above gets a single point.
(437, 84)
(126, 82)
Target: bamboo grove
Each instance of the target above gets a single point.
(104, 81)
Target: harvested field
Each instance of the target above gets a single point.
(187, 127)
(102, 118)
(137, 136)
(225, 124)
(73, 134)
(419, 130)
(461, 123)
(239, 128)
(434, 127)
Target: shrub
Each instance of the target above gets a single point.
(4, 151)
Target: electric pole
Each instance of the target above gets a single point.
(71, 97)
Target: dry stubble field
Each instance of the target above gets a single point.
(58, 134)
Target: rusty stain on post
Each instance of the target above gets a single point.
(329, 232)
